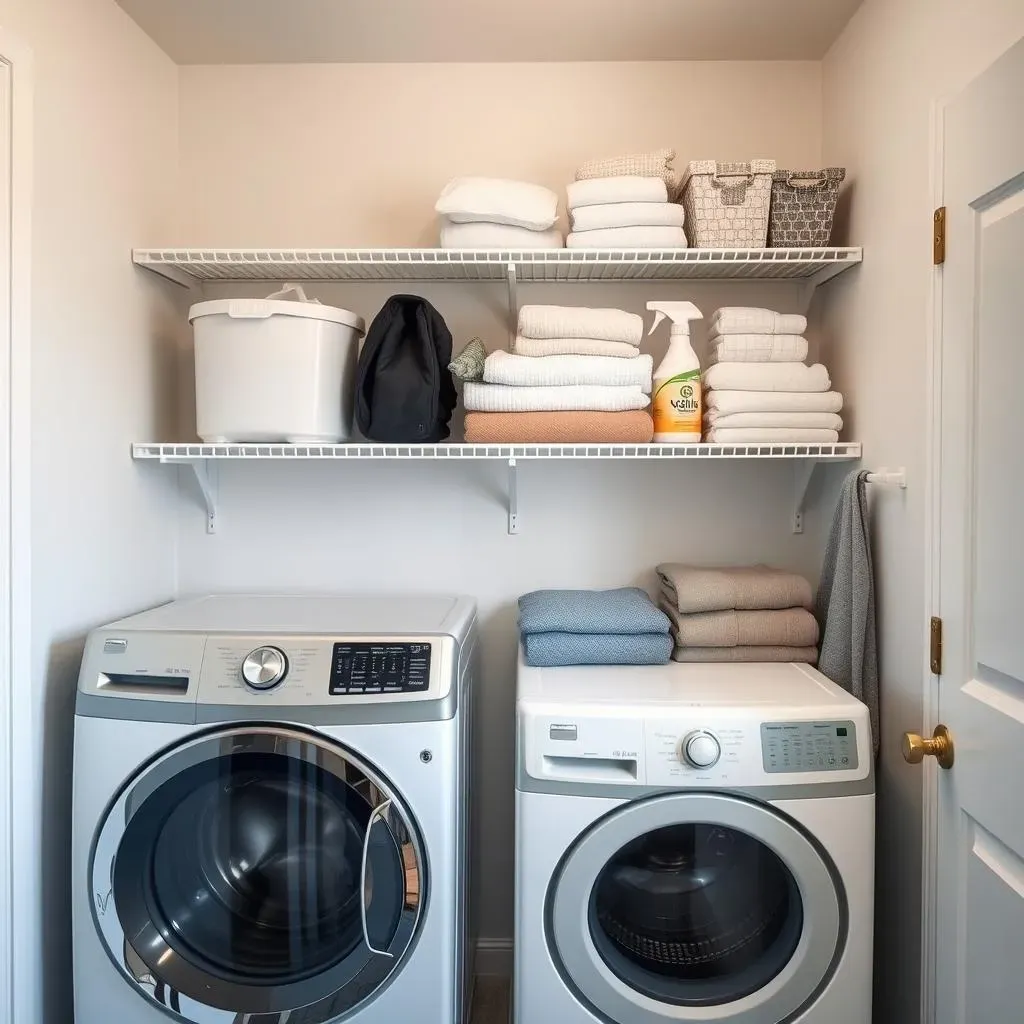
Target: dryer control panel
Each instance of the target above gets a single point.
(380, 668)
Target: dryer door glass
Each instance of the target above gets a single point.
(265, 871)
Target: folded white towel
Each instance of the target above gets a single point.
(626, 215)
(753, 320)
(482, 235)
(646, 237)
(561, 371)
(542, 347)
(580, 322)
(656, 164)
(583, 397)
(757, 348)
(777, 435)
(766, 377)
(499, 201)
(625, 189)
(772, 401)
(793, 420)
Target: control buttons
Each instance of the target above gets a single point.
(264, 668)
(700, 749)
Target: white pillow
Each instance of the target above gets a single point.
(498, 201)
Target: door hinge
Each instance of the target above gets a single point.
(936, 646)
(939, 237)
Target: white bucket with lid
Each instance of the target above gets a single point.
(274, 369)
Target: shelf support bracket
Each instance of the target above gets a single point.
(513, 304)
(802, 473)
(513, 498)
(205, 473)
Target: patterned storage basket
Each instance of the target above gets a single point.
(803, 205)
(727, 204)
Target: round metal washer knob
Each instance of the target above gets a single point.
(264, 668)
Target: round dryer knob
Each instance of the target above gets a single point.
(264, 668)
(701, 750)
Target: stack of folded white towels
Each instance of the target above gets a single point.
(757, 386)
(625, 203)
(495, 213)
(575, 376)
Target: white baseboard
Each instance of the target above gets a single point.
(493, 958)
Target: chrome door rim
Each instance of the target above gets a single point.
(329, 755)
(567, 918)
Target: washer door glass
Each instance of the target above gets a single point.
(696, 914)
(263, 871)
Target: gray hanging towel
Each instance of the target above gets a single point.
(845, 605)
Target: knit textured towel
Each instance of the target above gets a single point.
(481, 235)
(753, 320)
(623, 610)
(770, 435)
(535, 347)
(767, 377)
(845, 604)
(693, 588)
(526, 371)
(553, 650)
(793, 420)
(626, 215)
(784, 627)
(559, 427)
(581, 322)
(757, 348)
(627, 189)
(772, 401)
(801, 655)
(628, 238)
(656, 164)
(593, 397)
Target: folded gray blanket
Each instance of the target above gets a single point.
(747, 587)
(805, 655)
(627, 610)
(550, 650)
(783, 627)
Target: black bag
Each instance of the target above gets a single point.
(404, 390)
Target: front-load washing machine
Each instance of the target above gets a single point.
(270, 812)
(693, 843)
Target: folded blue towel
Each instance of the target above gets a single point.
(624, 611)
(550, 650)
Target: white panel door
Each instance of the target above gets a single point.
(980, 912)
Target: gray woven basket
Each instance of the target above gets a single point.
(726, 204)
(803, 207)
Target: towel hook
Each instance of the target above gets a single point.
(892, 477)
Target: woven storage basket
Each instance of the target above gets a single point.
(727, 204)
(803, 205)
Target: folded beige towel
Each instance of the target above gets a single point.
(802, 655)
(783, 627)
(697, 589)
(773, 401)
(559, 427)
(655, 164)
(795, 377)
(798, 420)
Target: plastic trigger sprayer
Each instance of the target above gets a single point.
(677, 395)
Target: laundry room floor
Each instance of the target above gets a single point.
(490, 1001)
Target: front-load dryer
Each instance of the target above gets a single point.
(270, 812)
(694, 843)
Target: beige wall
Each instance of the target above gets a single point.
(880, 80)
(105, 127)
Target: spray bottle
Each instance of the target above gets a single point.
(677, 395)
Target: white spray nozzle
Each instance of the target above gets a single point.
(680, 313)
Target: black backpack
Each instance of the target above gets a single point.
(404, 390)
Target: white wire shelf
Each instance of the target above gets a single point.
(190, 267)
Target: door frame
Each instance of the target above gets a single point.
(17, 743)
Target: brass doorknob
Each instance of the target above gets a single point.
(940, 746)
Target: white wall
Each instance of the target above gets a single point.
(103, 542)
(880, 80)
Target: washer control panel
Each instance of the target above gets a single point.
(788, 747)
(380, 668)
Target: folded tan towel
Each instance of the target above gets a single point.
(785, 627)
(696, 589)
(634, 427)
(803, 655)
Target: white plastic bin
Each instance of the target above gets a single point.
(274, 370)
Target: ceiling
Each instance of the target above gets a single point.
(301, 31)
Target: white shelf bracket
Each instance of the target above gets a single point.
(205, 473)
(513, 303)
(513, 498)
(802, 473)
